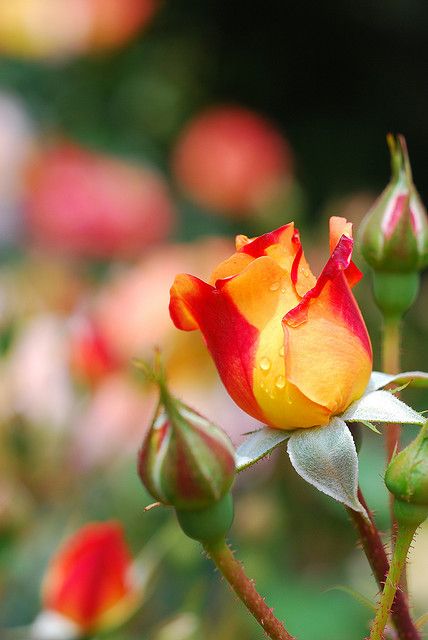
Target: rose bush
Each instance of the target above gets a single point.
(292, 350)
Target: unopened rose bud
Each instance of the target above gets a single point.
(407, 479)
(189, 463)
(394, 235)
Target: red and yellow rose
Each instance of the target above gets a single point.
(291, 349)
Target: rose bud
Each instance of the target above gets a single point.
(189, 463)
(291, 350)
(394, 235)
(232, 160)
(90, 585)
(407, 479)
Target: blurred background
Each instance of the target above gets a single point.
(137, 138)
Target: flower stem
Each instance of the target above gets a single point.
(233, 571)
(391, 342)
(402, 544)
(391, 337)
(376, 555)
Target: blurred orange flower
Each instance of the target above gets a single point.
(62, 28)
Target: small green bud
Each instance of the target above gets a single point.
(185, 461)
(407, 479)
(394, 233)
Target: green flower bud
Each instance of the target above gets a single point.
(407, 479)
(394, 233)
(185, 461)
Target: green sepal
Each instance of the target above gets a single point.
(408, 514)
(208, 525)
(395, 292)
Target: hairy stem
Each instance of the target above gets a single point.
(234, 573)
(376, 555)
(391, 336)
(401, 549)
(391, 342)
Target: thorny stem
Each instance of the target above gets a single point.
(404, 539)
(376, 555)
(233, 571)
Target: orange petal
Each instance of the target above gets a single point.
(230, 267)
(229, 336)
(187, 294)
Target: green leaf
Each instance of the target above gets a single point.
(371, 426)
(422, 621)
(356, 595)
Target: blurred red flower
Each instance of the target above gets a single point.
(89, 580)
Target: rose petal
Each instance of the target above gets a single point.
(328, 351)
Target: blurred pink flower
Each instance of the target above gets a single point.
(112, 422)
(132, 310)
(231, 160)
(88, 204)
(36, 375)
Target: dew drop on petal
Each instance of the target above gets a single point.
(280, 382)
(282, 351)
(283, 289)
(305, 273)
(265, 364)
(274, 286)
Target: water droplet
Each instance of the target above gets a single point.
(305, 273)
(274, 286)
(272, 395)
(283, 289)
(280, 382)
(282, 351)
(265, 364)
